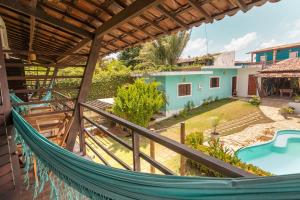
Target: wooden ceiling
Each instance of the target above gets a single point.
(62, 31)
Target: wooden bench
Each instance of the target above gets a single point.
(286, 91)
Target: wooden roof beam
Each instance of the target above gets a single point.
(141, 29)
(242, 5)
(152, 23)
(39, 14)
(32, 27)
(198, 7)
(172, 16)
(133, 10)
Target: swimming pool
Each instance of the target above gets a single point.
(279, 156)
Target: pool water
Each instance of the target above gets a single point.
(279, 156)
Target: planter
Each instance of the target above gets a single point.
(296, 106)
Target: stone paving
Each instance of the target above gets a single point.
(237, 123)
(259, 133)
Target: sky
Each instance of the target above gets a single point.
(269, 25)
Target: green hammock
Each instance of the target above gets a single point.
(24, 109)
(75, 177)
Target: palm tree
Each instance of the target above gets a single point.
(166, 50)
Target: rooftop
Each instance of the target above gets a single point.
(68, 27)
(285, 46)
(286, 68)
(180, 73)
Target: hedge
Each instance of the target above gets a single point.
(104, 85)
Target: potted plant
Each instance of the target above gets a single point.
(255, 100)
(286, 110)
(297, 98)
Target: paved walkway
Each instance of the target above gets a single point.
(259, 133)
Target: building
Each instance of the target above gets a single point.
(50, 36)
(183, 87)
(224, 79)
(281, 79)
(276, 53)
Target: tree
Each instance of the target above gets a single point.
(166, 50)
(130, 56)
(138, 102)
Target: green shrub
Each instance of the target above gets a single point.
(297, 98)
(217, 150)
(286, 110)
(195, 139)
(183, 113)
(215, 121)
(255, 100)
(189, 105)
(139, 101)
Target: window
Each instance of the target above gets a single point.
(263, 59)
(293, 54)
(184, 89)
(214, 82)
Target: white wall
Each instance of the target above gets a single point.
(242, 80)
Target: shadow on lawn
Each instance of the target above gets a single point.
(194, 112)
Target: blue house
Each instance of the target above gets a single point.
(182, 87)
(275, 54)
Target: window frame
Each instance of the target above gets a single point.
(264, 58)
(296, 52)
(211, 77)
(186, 83)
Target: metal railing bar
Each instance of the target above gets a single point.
(97, 154)
(210, 162)
(121, 162)
(147, 158)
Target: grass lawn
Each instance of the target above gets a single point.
(199, 119)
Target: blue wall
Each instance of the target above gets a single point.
(176, 103)
(282, 54)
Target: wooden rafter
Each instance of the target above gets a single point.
(32, 27)
(38, 13)
(133, 10)
(198, 7)
(141, 29)
(242, 5)
(152, 23)
(172, 16)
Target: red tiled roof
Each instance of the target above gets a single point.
(292, 64)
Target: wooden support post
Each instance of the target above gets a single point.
(182, 141)
(274, 56)
(84, 89)
(82, 132)
(6, 111)
(136, 151)
(152, 153)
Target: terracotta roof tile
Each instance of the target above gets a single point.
(292, 64)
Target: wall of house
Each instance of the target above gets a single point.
(282, 54)
(242, 80)
(200, 88)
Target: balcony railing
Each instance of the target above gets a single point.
(137, 132)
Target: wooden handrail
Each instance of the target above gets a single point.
(210, 162)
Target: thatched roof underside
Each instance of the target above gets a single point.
(55, 29)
